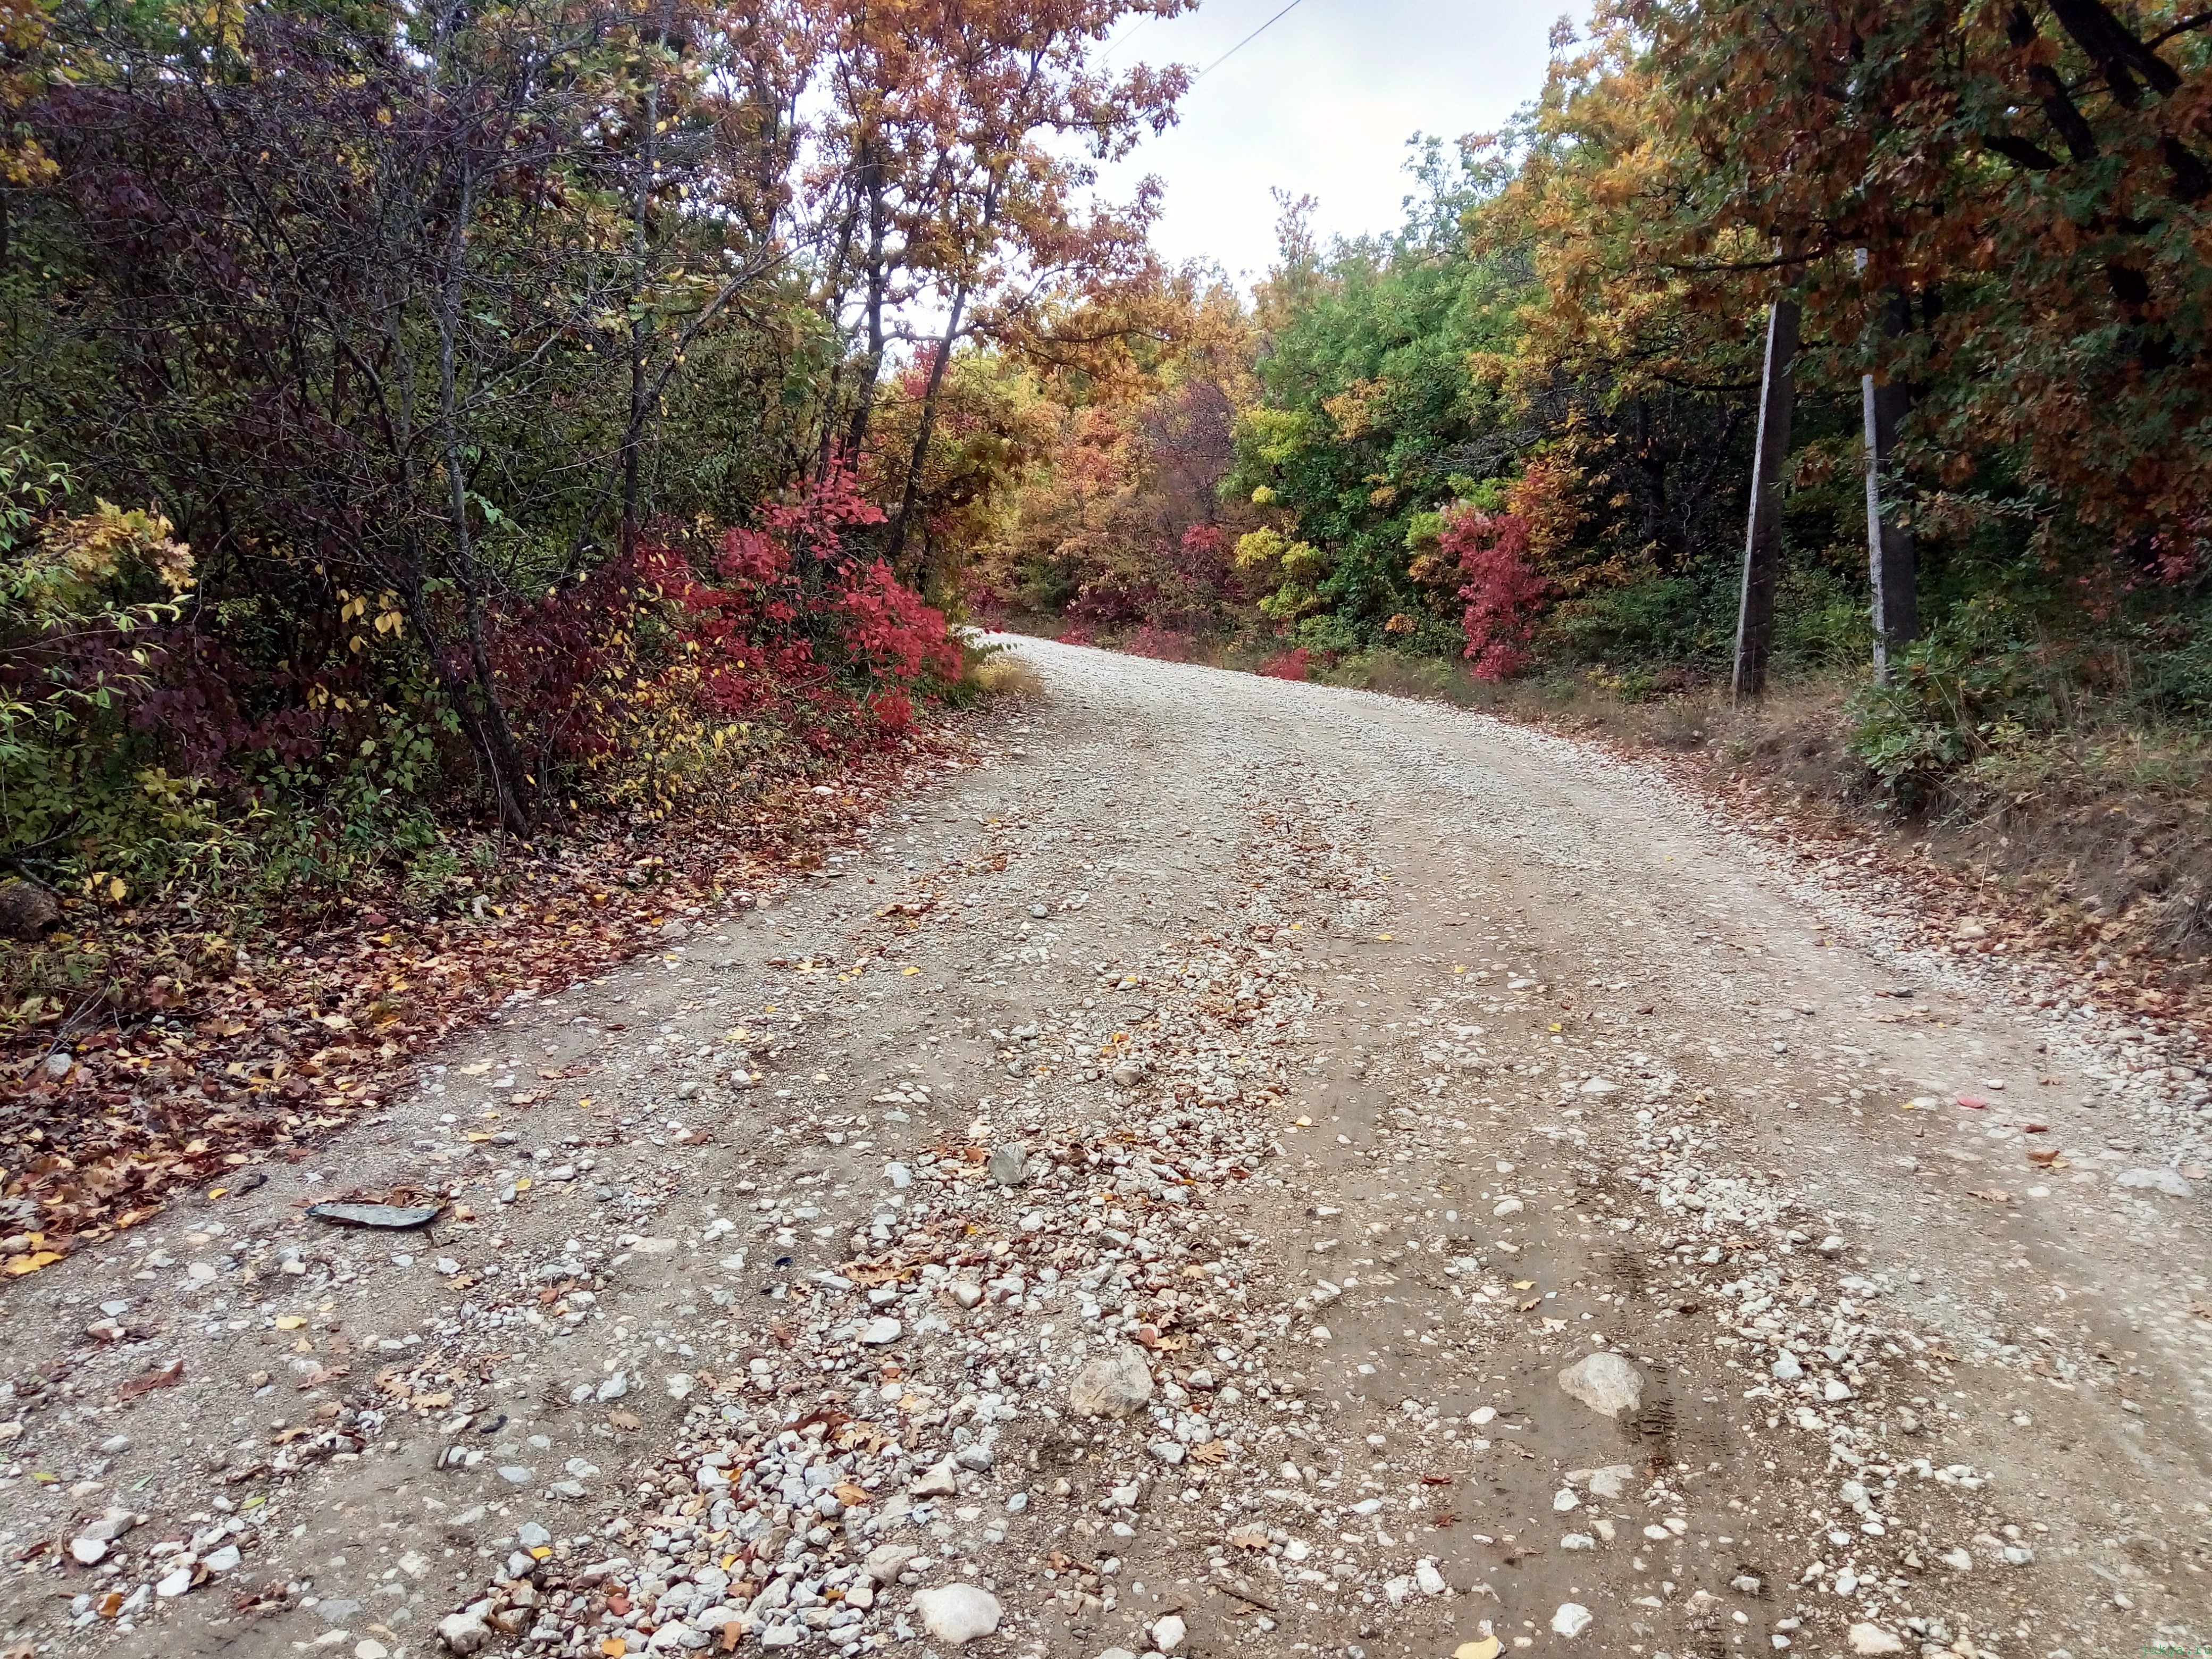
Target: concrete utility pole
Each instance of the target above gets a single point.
(1890, 553)
(1762, 544)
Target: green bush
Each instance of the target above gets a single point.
(1688, 619)
(1973, 684)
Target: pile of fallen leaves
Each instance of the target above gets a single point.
(265, 1051)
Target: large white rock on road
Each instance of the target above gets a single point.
(1114, 1385)
(1604, 1382)
(955, 1614)
(1873, 1638)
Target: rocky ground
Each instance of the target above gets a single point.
(1239, 1167)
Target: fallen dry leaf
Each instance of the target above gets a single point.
(161, 1377)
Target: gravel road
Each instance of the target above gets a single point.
(1238, 1168)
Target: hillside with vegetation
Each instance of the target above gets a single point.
(1504, 453)
(470, 475)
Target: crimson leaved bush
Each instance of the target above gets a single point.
(783, 622)
(1502, 591)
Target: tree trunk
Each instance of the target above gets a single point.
(642, 400)
(1762, 545)
(864, 403)
(494, 747)
(1890, 552)
(494, 737)
(895, 540)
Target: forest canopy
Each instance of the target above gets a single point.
(425, 415)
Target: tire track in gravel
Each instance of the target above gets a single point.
(1330, 1071)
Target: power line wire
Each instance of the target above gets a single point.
(1246, 41)
(1123, 39)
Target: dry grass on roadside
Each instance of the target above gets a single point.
(1001, 675)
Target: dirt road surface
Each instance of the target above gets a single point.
(1239, 1169)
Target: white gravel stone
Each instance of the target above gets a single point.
(1604, 1382)
(1114, 1385)
(955, 1614)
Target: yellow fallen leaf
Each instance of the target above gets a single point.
(1487, 1648)
(910, 970)
(523, 1185)
(477, 1070)
(1458, 967)
(290, 1323)
(539, 1552)
(1524, 1283)
(17, 1265)
(217, 1192)
(1303, 1122)
(1385, 937)
(614, 1647)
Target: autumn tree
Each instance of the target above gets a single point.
(1123, 523)
(2019, 184)
(960, 142)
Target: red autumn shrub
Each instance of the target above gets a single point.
(788, 623)
(1502, 593)
(1296, 664)
(1165, 645)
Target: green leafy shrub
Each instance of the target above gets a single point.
(1972, 685)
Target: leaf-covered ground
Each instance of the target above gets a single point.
(279, 1038)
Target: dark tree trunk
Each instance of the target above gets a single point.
(1762, 545)
(1890, 552)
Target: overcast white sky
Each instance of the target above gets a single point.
(1323, 103)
